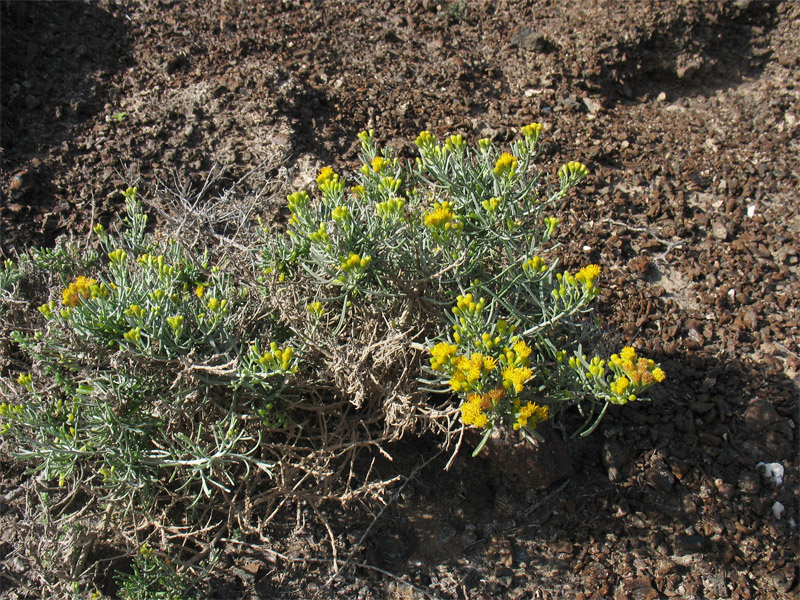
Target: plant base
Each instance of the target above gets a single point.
(523, 464)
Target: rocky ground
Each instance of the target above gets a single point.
(687, 115)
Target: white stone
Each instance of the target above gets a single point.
(773, 472)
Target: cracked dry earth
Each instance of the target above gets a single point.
(686, 113)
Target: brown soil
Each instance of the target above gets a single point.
(687, 115)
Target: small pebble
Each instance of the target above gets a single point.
(772, 472)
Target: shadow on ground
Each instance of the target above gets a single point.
(58, 63)
(714, 50)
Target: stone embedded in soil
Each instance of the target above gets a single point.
(690, 544)
(638, 588)
(719, 230)
(660, 478)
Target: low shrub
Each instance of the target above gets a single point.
(422, 296)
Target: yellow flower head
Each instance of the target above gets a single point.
(378, 163)
(454, 142)
(325, 174)
(588, 275)
(628, 353)
(507, 163)
(457, 381)
(491, 204)
(117, 256)
(472, 413)
(472, 367)
(515, 377)
(659, 375)
(620, 385)
(530, 415)
(573, 170)
(77, 291)
(522, 350)
(441, 353)
(134, 336)
(534, 130)
(535, 265)
(316, 308)
(425, 139)
(442, 213)
(175, 322)
(340, 213)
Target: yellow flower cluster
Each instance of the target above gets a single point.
(534, 265)
(10, 409)
(79, 290)
(533, 130)
(277, 358)
(619, 385)
(316, 308)
(468, 371)
(390, 208)
(340, 213)
(390, 184)
(298, 201)
(215, 304)
(491, 204)
(506, 164)
(47, 309)
(176, 323)
(320, 236)
(329, 183)
(516, 377)
(135, 311)
(354, 261)
(134, 336)
(631, 374)
(573, 171)
(117, 256)
(326, 174)
(442, 215)
(367, 136)
(425, 139)
(588, 276)
(639, 370)
(530, 415)
(378, 163)
(454, 142)
(472, 412)
(467, 303)
(442, 354)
